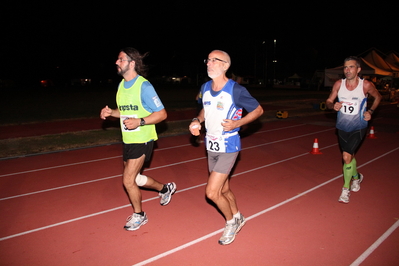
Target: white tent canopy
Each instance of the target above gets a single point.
(392, 59)
(374, 58)
(295, 76)
(372, 64)
(375, 70)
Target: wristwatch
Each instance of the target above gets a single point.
(142, 122)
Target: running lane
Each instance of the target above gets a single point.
(69, 208)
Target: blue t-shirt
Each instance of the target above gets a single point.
(149, 96)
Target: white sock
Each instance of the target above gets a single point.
(232, 221)
(237, 215)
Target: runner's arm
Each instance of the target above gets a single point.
(370, 89)
(333, 95)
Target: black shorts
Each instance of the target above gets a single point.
(136, 150)
(350, 141)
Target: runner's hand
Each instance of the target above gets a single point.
(228, 124)
(337, 106)
(194, 128)
(131, 123)
(105, 112)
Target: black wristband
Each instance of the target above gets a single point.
(371, 110)
(142, 122)
(195, 118)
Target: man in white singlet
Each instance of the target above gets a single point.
(352, 119)
(223, 101)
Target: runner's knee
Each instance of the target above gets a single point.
(141, 180)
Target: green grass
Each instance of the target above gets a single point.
(39, 105)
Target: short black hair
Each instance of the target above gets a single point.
(355, 58)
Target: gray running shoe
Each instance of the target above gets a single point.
(355, 187)
(229, 233)
(166, 197)
(344, 198)
(134, 221)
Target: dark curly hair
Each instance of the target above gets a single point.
(135, 55)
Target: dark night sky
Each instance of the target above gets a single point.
(81, 39)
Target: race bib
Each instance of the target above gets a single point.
(215, 143)
(123, 127)
(350, 107)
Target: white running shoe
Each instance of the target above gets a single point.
(134, 221)
(355, 187)
(229, 233)
(344, 198)
(167, 196)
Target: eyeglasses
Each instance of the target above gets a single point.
(121, 60)
(213, 60)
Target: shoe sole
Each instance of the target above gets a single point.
(227, 243)
(170, 198)
(241, 226)
(238, 230)
(342, 201)
(134, 229)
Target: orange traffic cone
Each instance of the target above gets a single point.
(371, 135)
(315, 149)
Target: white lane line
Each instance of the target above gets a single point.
(256, 215)
(376, 244)
(221, 230)
(117, 208)
(56, 188)
(149, 169)
(59, 166)
(89, 215)
(95, 180)
(153, 168)
(193, 187)
(113, 157)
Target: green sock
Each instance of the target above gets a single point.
(348, 170)
(355, 174)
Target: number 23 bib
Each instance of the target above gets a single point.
(215, 143)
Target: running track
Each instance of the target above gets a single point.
(69, 208)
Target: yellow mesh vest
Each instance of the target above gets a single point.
(129, 105)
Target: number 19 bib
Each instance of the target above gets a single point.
(350, 108)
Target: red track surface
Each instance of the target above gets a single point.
(69, 208)
(56, 127)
